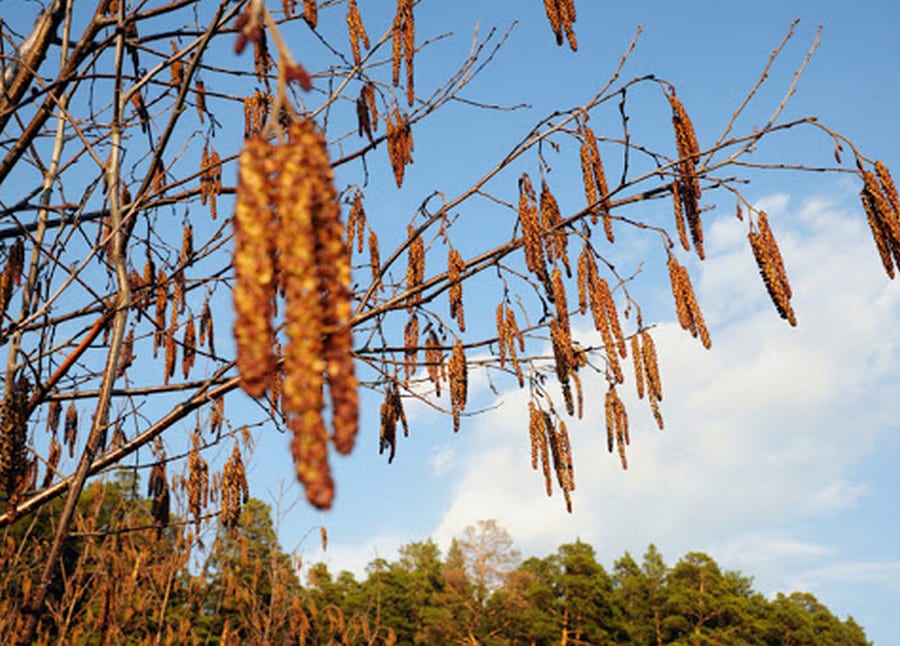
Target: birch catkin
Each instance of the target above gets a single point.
(287, 202)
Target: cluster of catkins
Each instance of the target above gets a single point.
(289, 240)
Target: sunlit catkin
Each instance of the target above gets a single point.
(771, 268)
(884, 220)
(254, 218)
(598, 175)
(400, 143)
(356, 30)
(688, 156)
(459, 382)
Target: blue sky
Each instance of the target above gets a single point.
(781, 453)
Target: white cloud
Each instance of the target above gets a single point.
(765, 430)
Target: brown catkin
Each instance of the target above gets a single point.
(127, 356)
(458, 375)
(198, 481)
(233, 490)
(883, 220)
(16, 468)
(189, 347)
(455, 267)
(411, 343)
(689, 184)
(771, 268)
(162, 301)
(200, 98)
(171, 346)
(368, 93)
(638, 366)
(434, 361)
(415, 266)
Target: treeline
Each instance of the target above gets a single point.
(125, 580)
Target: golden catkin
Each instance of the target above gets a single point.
(544, 448)
(583, 278)
(888, 186)
(679, 217)
(356, 225)
(334, 287)
(651, 367)
(459, 381)
(415, 266)
(616, 425)
(604, 295)
(689, 184)
(400, 144)
(689, 314)
(559, 299)
(356, 31)
(561, 14)
(293, 186)
(771, 268)
(455, 267)
(535, 427)
(254, 264)
(557, 240)
(532, 234)
(508, 336)
(311, 13)
(564, 357)
(596, 174)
